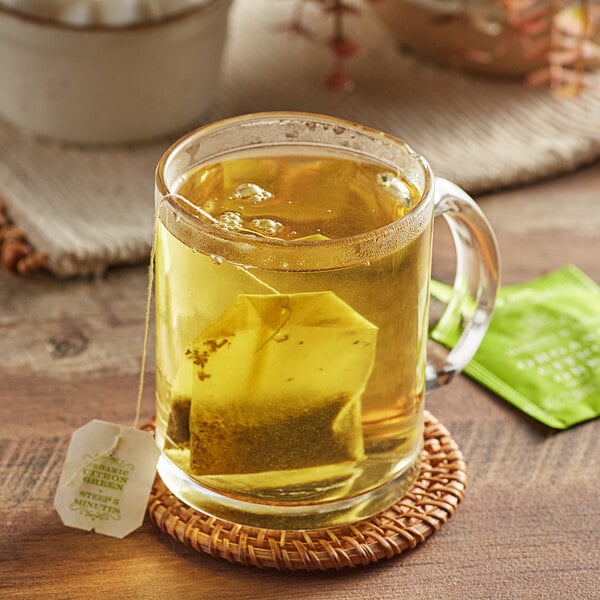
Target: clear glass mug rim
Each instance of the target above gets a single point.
(401, 229)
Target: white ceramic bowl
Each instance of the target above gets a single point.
(107, 84)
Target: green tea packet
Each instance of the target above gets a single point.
(542, 349)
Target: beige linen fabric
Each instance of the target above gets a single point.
(88, 208)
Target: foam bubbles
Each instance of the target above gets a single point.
(230, 220)
(267, 227)
(252, 193)
(396, 187)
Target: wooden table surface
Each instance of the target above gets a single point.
(529, 526)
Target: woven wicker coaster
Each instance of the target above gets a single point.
(421, 512)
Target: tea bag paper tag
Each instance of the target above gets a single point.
(106, 479)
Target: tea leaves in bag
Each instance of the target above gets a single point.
(277, 384)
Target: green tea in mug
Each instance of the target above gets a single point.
(291, 307)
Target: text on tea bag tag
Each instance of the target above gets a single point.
(106, 479)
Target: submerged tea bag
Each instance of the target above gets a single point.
(277, 384)
(542, 349)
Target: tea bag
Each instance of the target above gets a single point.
(277, 384)
(542, 349)
(180, 399)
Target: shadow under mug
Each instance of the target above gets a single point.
(291, 375)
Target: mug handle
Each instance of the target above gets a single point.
(469, 310)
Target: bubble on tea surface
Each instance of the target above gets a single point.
(396, 187)
(209, 205)
(230, 220)
(252, 193)
(266, 227)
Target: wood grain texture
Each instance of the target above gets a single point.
(529, 524)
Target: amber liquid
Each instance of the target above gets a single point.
(303, 450)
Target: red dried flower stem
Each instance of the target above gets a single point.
(535, 21)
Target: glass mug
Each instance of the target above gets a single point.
(293, 258)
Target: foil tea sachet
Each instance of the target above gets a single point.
(542, 349)
(276, 384)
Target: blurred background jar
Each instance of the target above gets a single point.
(510, 38)
(109, 71)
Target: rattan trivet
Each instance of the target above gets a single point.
(422, 511)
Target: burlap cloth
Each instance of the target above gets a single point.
(90, 208)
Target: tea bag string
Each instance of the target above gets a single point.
(201, 212)
(117, 440)
(149, 288)
(258, 280)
